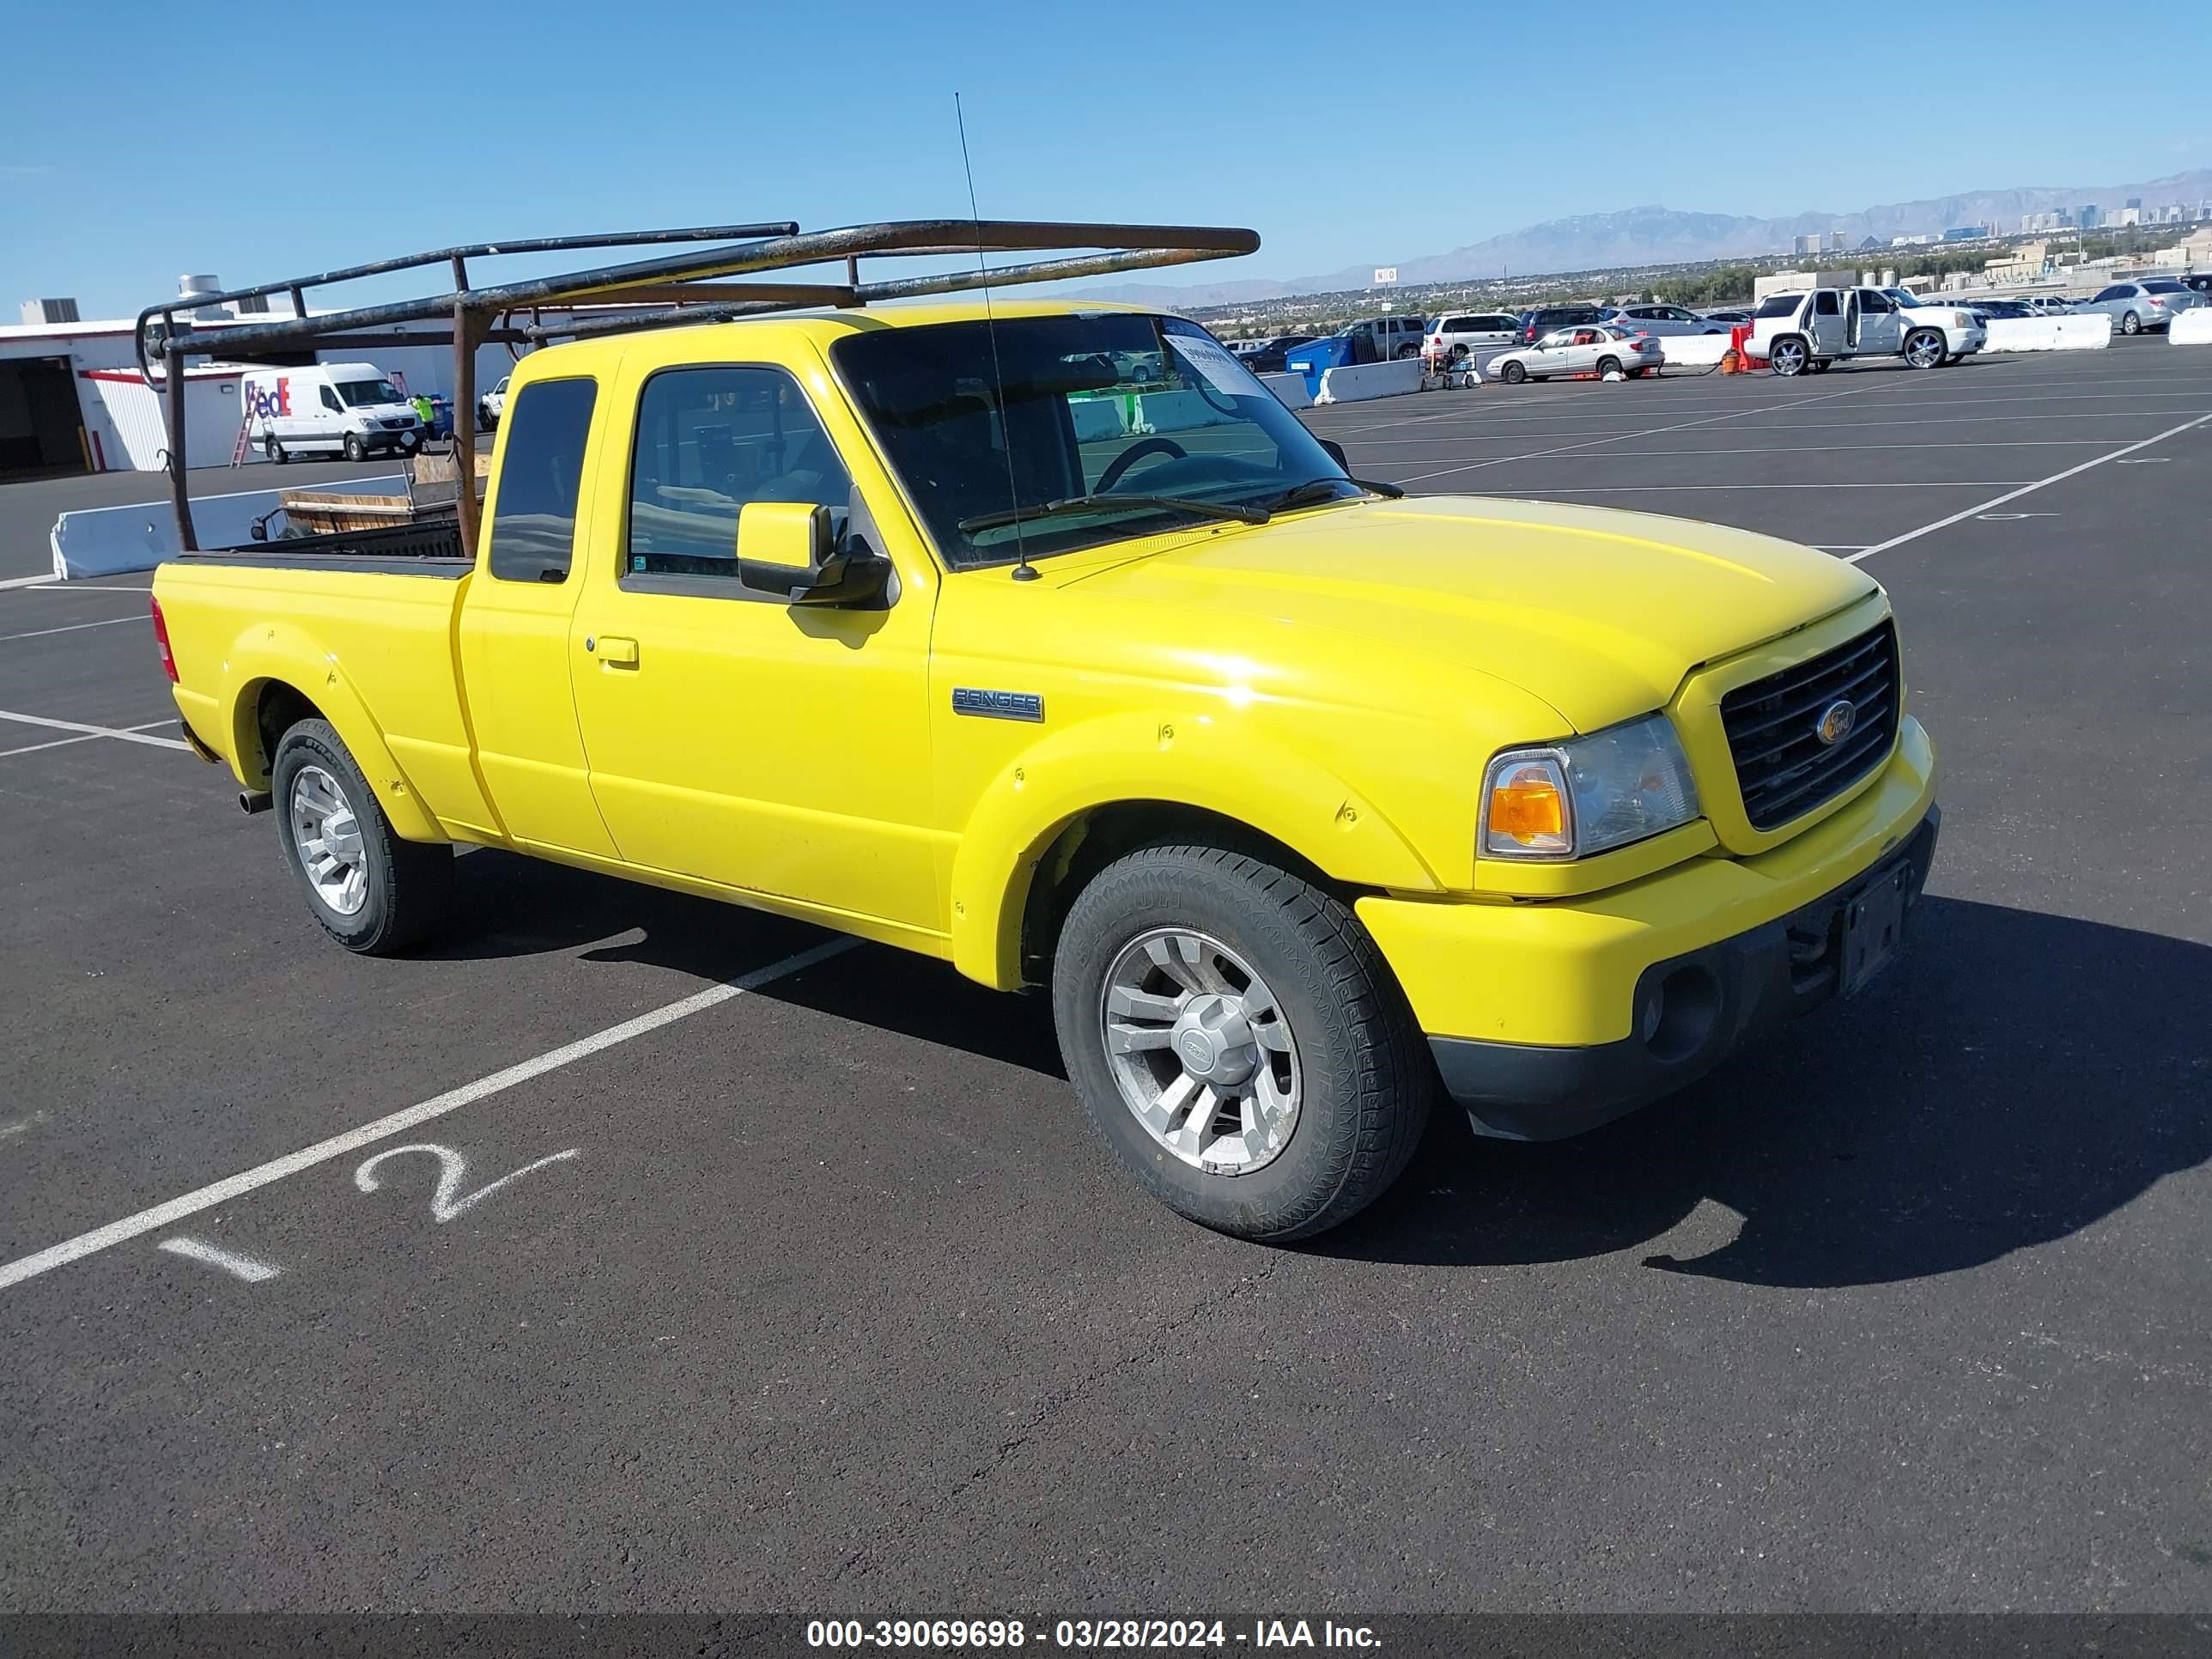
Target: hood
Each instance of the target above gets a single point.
(1599, 613)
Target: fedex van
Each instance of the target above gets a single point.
(327, 409)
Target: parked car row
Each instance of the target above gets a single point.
(1812, 328)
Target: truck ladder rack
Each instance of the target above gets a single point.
(669, 290)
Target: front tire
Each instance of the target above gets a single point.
(1516, 373)
(1926, 349)
(370, 891)
(355, 450)
(1239, 1040)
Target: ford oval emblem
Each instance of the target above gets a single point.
(1836, 722)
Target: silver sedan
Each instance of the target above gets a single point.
(2135, 306)
(1592, 349)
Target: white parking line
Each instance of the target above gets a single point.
(90, 737)
(71, 628)
(48, 584)
(1638, 489)
(237, 1186)
(1796, 449)
(2026, 489)
(28, 582)
(1653, 432)
(1808, 426)
(123, 733)
(237, 1267)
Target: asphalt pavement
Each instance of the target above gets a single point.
(544, 1275)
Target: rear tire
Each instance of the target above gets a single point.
(275, 452)
(1607, 365)
(2131, 323)
(1319, 1020)
(370, 891)
(1516, 373)
(1788, 356)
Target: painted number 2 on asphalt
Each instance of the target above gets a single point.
(447, 1201)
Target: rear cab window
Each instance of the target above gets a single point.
(533, 524)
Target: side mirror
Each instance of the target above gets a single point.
(1335, 451)
(790, 549)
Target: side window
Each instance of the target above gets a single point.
(1872, 301)
(533, 527)
(709, 441)
(2110, 294)
(1824, 303)
(330, 400)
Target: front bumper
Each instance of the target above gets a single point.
(1550, 1018)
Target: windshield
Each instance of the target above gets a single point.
(1100, 406)
(359, 392)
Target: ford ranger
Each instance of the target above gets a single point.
(1045, 642)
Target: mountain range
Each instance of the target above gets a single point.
(1659, 235)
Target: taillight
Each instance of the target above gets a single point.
(2154, 299)
(161, 643)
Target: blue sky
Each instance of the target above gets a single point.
(1309, 123)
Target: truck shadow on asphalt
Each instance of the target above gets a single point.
(2017, 1077)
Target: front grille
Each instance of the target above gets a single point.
(1782, 769)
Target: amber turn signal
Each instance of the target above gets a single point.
(1528, 807)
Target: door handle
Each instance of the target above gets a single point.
(613, 652)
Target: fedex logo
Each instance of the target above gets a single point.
(264, 404)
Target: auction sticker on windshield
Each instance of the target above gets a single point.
(1222, 371)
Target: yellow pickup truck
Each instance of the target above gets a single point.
(1046, 640)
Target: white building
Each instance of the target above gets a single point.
(71, 398)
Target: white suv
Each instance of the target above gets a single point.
(1799, 331)
(1457, 336)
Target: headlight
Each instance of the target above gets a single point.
(1568, 801)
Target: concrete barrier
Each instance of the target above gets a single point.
(1357, 382)
(1098, 417)
(1175, 411)
(1291, 388)
(2192, 328)
(1692, 350)
(108, 541)
(2092, 332)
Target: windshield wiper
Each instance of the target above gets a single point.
(1315, 491)
(1077, 503)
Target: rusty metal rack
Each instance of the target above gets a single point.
(670, 290)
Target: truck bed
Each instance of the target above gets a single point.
(430, 548)
(359, 625)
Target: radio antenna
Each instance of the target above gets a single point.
(1022, 570)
